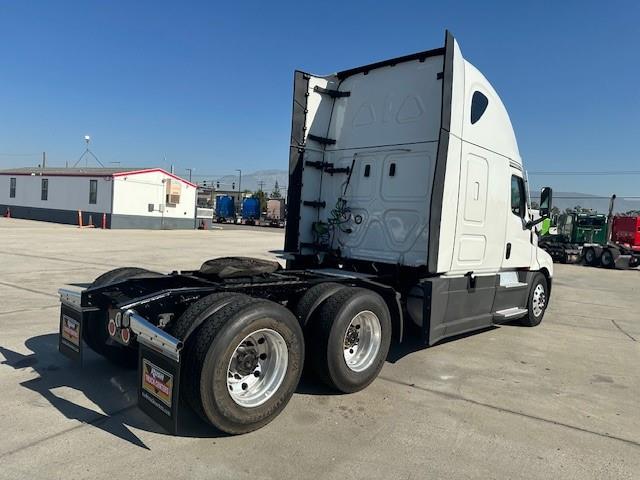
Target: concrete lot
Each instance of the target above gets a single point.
(558, 401)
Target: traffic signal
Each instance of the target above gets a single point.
(217, 185)
(233, 186)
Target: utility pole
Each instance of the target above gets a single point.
(239, 188)
(190, 170)
(260, 185)
(44, 160)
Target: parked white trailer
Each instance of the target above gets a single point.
(406, 202)
(275, 212)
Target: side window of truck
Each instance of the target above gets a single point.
(518, 196)
(479, 104)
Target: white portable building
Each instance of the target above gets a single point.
(150, 198)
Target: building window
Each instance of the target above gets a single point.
(12, 188)
(478, 106)
(44, 194)
(518, 196)
(93, 192)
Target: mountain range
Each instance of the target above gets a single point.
(562, 200)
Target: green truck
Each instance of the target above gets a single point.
(574, 231)
(583, 228)
(594, 237)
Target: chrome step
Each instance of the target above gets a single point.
(510, 313)
(515, 285)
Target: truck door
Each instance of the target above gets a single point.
(518, 246)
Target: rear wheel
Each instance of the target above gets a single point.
(96, 334)
(312, 299)
(245, 365)
(607, 260)
(350, 338)
(189, 321)
(590, 257)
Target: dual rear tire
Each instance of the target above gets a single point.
(349, 337)
(243, 363)
(243, 356)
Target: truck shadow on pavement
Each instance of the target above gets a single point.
(113, 390)
(413, 342)
(107, 389)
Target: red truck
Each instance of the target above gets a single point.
(626, 231)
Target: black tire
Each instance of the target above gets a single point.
(182, 330)
(312, 299)
(327, 334)
(607, 259)
(119, 274)
(95, 332)
(563, 257)
(182, 327)
(590, 257)
(207, 366)
(532, 319)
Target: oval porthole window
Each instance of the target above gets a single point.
(478, 106)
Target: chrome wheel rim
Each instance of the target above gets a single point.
(539, 300)
(257, 368)
(362, 340)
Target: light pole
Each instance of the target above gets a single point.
(239, 187)
(190, 170)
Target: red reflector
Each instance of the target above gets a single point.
(125, 335)
(112, 328)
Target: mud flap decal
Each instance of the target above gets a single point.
(70, 334)
(158, 387)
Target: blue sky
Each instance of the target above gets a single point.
(208, 84)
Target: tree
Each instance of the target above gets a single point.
(276, 191)
(260, 195)
(535, 205)
(555, 211)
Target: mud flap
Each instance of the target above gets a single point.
(158, 387)
(70, 342)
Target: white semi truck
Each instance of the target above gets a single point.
(407, 206)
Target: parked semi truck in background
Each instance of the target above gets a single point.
(275, 215)
(407, 216)
(251, 211)
(573, 231)
(600, 240)
(225, 209)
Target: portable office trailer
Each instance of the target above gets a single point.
(128, 198)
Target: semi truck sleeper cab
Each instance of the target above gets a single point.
(407, 207)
